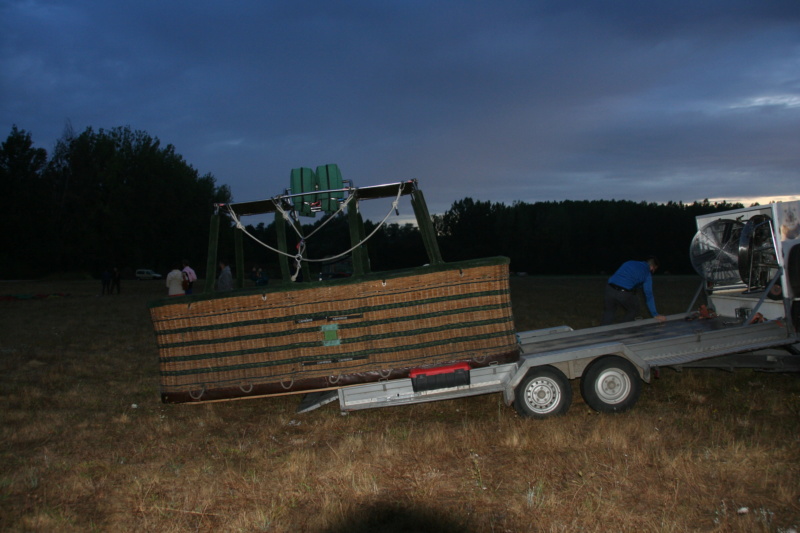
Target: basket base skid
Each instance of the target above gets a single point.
(315, 400)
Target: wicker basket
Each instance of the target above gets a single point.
(303, 337)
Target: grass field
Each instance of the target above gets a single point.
(87, 446)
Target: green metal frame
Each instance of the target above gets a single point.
(211, 260)
(361, 264)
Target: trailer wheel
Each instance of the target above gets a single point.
(542, 393)
(611, 385)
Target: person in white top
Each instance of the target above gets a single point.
(175, 282)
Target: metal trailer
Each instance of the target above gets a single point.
(742, 256)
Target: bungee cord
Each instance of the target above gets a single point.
(299, 256)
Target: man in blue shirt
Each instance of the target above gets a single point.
(621, 290)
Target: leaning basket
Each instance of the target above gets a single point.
(300, 337)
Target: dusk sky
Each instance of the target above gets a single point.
(501, 101)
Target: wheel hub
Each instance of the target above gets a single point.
(542, 395)
(613, 386)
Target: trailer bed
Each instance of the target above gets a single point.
(675, 342)
(648, 342)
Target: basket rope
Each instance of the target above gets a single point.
(301, 246)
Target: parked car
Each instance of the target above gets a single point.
(146, 273)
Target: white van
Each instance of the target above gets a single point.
(146, 273)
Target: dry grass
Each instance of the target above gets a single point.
(86, 444)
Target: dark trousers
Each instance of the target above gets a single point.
(613, 299)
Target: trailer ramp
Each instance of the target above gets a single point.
(484, 380)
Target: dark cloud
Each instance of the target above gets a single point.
(499, 101)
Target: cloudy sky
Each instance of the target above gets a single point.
(496, 100)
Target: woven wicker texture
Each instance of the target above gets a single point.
(253, 338)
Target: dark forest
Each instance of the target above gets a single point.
(118, 198)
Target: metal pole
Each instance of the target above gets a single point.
(280, 232)
(211, 262)
(696, 295)
(239, 249)
(426, 227)
(354, 219)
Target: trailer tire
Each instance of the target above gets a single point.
(611, 385)
(544, 392)
(776, 292)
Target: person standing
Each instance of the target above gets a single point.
(261, 277)
(190, 274)
(225, 280)
(621, 291)
(175, 282)
(106, 280)
(116, 276)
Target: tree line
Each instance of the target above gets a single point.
(542, 238)
(574, 237)
(100, 199)
(119, 198)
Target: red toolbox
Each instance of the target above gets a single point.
(439, 377)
